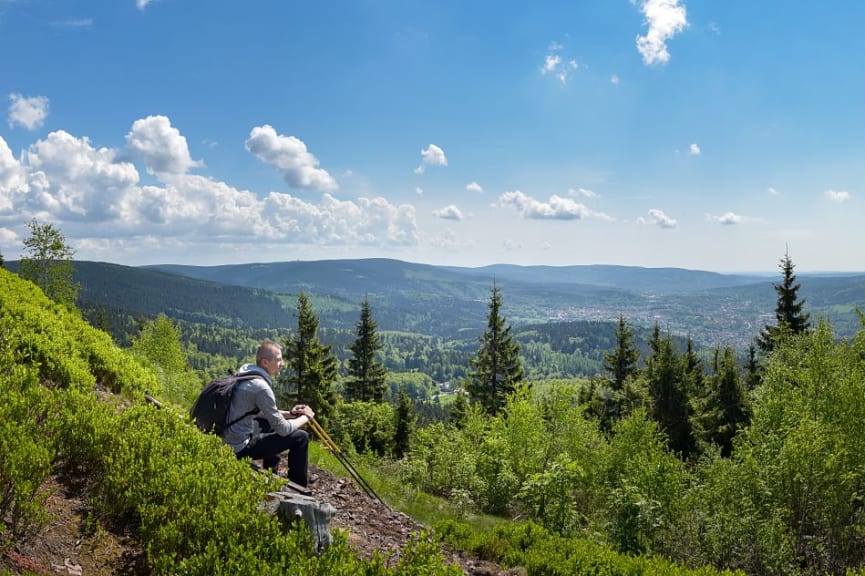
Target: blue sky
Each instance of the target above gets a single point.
(661, 133)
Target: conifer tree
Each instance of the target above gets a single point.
(497, 368)
(621, 363)
(667, 382)
(310, 366)
(367, 375)
(753, 375)
(788, 310)
(458, 410)
(726, 406)
(48, 263)
(405, 424)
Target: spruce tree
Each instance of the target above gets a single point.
(405, 424)
(788, 310)
(621, 363)
(497, 368)
(310, 366)
(367, 375)
(48, 263)
(666, 376)
(724, 410)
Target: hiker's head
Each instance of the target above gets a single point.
(269, 357)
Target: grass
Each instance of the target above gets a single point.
(383, 477)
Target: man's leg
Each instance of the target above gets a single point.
(270, 446)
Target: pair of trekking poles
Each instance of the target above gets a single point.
(331, 447)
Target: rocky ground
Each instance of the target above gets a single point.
(69, 545)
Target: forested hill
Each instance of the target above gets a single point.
(451, 302)
(381, 274)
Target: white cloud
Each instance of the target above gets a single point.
(431, 156)
(142, 3)
(13, 179)
(694, 150)
(557, 208)
(665, 19)
(474, 187)
(79, 23)
(837, 195)
(8, 238)
(727, 219)
(289, 155)
(614, 79)
(449, 212)
(77, 185)
(70, 179)
(660, 219)
(772, 192)
(160, 146)
(29, 113)
(556, 66)
(419, 191)
(584, 192)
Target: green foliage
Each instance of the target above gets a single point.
(366, 374)
(62, 347)
(26, 444)
(48, 263)
(367, 426)
(540, 552)
(158, 344)
(497, 368)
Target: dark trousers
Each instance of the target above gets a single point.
(268, 447)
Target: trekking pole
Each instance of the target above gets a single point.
(331, 446)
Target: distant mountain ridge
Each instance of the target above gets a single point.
(370, 272)
(451, 302)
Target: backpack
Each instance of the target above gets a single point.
(210, 411)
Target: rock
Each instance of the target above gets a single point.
(291, 508)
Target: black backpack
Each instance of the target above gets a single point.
(210, 411)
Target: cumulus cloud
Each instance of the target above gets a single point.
(71, 179)
(72, 182)
(665, 19)
(772, 191)
(160, 146)
(474, 187)
(837, 195)
(660, 219)
(614, 79)
(727, 219)
(556, 208)
(29, 113)
(449, 212)
(289, 155)
(13, 179)
(142, 3)
(694, 150)
(432, 155)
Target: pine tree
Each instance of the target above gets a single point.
(310, 366)
(48, 263)
(497, 368)
(724, 409)
(367, 375)
(405, 424)
(788, 310)
(753, 375)
(667, 382)
(458, 410)
(621, 363)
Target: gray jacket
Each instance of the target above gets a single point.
(249, 395)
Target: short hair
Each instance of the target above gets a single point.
(267, 350)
